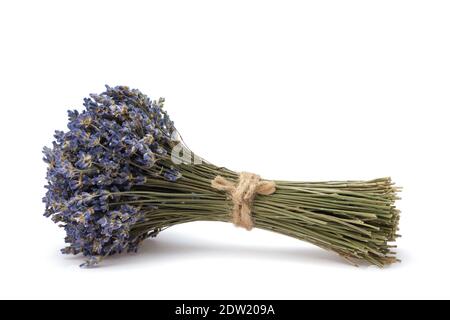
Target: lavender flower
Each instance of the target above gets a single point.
(109, 149)
(114, 181)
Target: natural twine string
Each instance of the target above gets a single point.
(242, 194)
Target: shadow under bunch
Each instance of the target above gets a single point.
(114, 181)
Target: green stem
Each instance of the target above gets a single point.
(356, 219)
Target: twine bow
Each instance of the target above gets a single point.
(242, 194)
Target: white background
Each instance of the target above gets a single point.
(301, 90)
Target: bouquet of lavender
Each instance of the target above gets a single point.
(121, 174)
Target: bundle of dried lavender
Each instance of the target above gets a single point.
(115, 180)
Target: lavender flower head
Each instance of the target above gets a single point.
(111, 148)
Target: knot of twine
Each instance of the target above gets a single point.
(242, 194)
